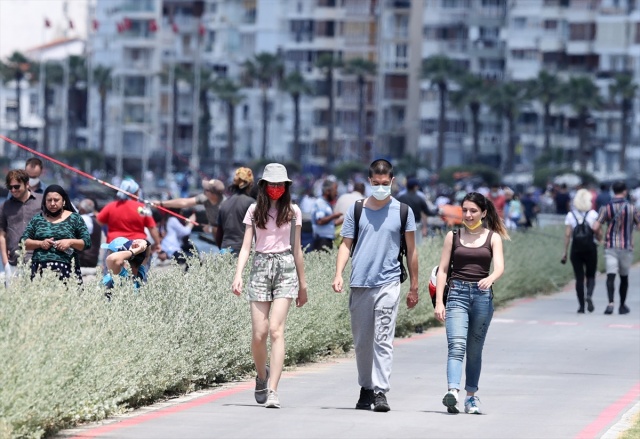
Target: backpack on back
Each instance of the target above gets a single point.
(582, 235)
(404, 212)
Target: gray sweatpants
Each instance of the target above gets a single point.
(373, 324)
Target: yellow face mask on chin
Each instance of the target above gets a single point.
(475, 226)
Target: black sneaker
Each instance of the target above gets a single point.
(590, 306)
(380, 403)
(624, 309)
(609, 309)
(365, 400)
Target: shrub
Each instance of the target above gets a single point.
(67, 355)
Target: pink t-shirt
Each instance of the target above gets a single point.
(273, 239)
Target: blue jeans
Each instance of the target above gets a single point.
(469, 313)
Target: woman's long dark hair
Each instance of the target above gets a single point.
(492, 220)
(263, 202)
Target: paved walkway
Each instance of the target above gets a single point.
(548, 373)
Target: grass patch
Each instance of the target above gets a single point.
(68, 356)
(634, 431)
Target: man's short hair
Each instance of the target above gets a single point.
(619, 187)
(17, 174)
(33, 161)
(381, 167)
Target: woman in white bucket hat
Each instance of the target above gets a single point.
(276, 278)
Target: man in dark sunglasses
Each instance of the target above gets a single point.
(15, 214)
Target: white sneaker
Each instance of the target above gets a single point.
(472, 405)
(272, 400)
(450, 401)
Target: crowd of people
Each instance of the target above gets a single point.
(376, 221)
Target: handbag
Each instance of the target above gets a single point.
(432, 291)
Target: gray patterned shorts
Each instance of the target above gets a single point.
(272, 276)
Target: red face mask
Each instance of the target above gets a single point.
(275, 192)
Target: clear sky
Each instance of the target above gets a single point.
(22, 22)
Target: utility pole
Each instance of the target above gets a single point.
(195, 157)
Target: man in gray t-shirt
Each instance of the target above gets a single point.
(375, 283)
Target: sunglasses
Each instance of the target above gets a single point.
(14, 187)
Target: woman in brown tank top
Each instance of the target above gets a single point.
(469, 306)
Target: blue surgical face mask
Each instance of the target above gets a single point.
(381, 192)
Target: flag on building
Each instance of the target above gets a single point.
(70, 24)
(47, 23)
(153, 26)
(95, 24)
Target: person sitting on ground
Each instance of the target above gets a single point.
(129, 259)
(56, 235)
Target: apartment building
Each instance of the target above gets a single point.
(35, 99)
(515, 41)
(154, 46)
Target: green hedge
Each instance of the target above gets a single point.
(68, 356)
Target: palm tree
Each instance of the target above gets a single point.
(295, 84)
(229, 93)
(77, 99)
(205, 116)
(361, 68)
(506, 100)
(14, 69)
(471, 94)
(546, 89)
(264, 68)
(625, 88)
(102, 78)
(328, 63)
(441, 70)
(583, 96)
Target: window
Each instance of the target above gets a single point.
(519, 22)
(550, 24)
(582, 31)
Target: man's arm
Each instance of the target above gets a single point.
(341, 262)
(3, 247)
(178, 203)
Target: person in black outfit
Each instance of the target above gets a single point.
(230, 226)
(563, 200)
(417, 204)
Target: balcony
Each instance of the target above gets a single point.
(138, 6)
(395, 93)
(398, 4)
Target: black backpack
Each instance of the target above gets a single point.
(404, 212)
(582, 235)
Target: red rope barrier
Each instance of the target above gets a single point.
(92, 178)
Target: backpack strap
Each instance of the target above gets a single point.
(357, 213)
(404, 213)
(577, 220)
